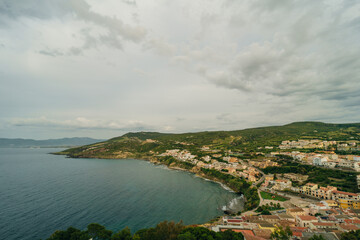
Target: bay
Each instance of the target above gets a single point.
(40, 193)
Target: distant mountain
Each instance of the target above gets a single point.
(62, 142)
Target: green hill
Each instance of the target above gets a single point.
(142, 144)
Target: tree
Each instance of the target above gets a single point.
(186, 236)
(198, 233)
(124, 234)
(231, 235)
(317, 237)
(265, 212)
(70, 234)
(353, 235)
(163, 231)
(98, 232)
(281, 234)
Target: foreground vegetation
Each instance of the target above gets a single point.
(173, 231)
(163, 231)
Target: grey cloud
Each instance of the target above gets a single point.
(180, 119)
(73, 51)
(160, 47)
(51, 52)
(15, 9)
(115, 26)
(307, 58)
(130, 2)
(117, 30)
(224, 64)
(225, 117)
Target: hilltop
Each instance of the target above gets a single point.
(136, 144)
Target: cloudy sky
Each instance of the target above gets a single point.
(102, 68)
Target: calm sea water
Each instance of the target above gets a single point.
(40, 193)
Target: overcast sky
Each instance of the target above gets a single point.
(103, 68)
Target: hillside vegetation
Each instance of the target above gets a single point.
(141, 144)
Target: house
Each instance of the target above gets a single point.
(270, 218)
(267, 226)
(287, 217)
(344, 195)
(318, 161)
(281, 184)
(322, 225)
(305, 220)
(263, 233)
(331, 203)
(298, 231)
(349, 203)
(324, 192)
(347, 227)
(251, 237)
(307, 188)
(325, 235)
(294, 212)
(232, 221)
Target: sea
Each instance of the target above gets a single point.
(41, 193)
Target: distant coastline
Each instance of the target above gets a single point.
(47, 143)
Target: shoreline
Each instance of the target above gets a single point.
(202, 177)
(238, 195)
(174, 166)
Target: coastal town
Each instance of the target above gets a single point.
(314, 210)
(288, 200)
(300, 180)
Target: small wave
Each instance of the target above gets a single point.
(225, 187)
(236, 204)
(162, 167)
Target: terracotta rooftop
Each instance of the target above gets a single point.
(307, 218)
(264, 233)
(266, 225)
(243, 231)
(345, 193)
(269, 217)
(355, 221)
(235, 220)
(295, 210)
(285, 223)
(250, 237)
(284, 215)
(349, 227)
(297, 234)
(299, 229)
